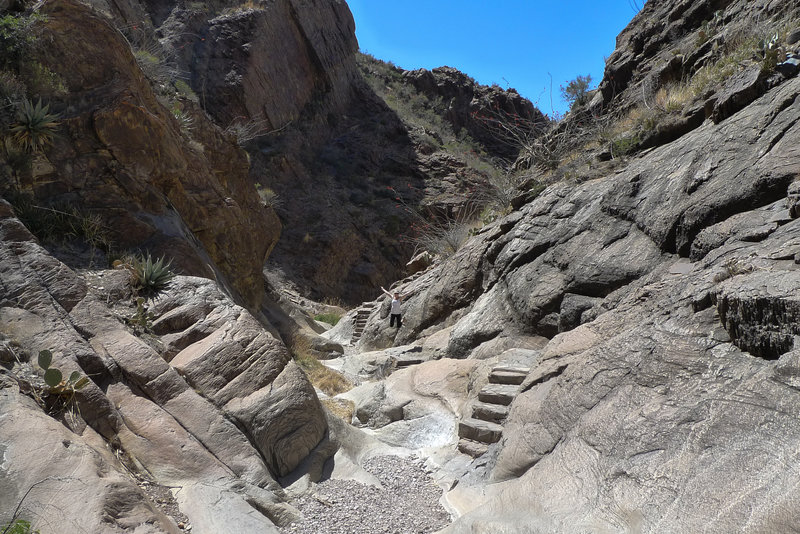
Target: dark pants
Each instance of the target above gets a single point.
(392, 318)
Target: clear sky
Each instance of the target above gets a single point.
(513, 43)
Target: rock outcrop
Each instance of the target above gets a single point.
(204, 399)
(476, 108)
(668, 41)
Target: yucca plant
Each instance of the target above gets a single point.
(35, 126)
(151, 275)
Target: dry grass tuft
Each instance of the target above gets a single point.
(673, 98)
(341, 408)
(323, 378)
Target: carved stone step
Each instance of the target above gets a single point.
(494, 413)
(478, 430)
(498, 393)
(506, 377)
(519, 369)
(401, 361)
(472, 448)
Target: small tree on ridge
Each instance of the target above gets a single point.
(576, 92)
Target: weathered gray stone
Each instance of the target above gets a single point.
(761, 312)
(793, 199)
(55, 467)
(494, 413)
(788, 68)
(739, 91)
(498, 393)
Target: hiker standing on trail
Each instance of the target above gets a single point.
(397, 300)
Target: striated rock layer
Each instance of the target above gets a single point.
(205, 401)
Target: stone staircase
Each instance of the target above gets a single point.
(360, 320)
(490, 410)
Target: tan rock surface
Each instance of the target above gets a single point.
(166, 431)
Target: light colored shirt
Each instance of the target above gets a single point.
(395, 306)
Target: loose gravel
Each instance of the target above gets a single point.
(408, 502)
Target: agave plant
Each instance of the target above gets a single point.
(35, 126)
(151, 275)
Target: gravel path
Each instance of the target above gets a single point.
(408, 502)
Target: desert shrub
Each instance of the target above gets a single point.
(624, 135)
(18, 35)
(43, 81)
(330, 318)
(152, 65)
(245, 129)
(185, 121)
(60, 223)
(35, 126)
(625, 145)
(445, 238)
(576, 92)
(142, 319)
(247, 5)
(673, 97)
(185, 91)
(12, 88)
(18, 526)
(149, 275)
(269, 198)
(731, 268)
(17, 159)
(761, 43)
(341, 408)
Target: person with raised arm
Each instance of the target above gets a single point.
(394, 312)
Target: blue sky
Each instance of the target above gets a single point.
(513, 43)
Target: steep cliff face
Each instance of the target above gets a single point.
(472, 107)
(267, 63)
(187, 388)
(121, 155)
(668, 41)
(337, 163)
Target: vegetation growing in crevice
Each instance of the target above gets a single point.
(60, 223)
(760, 45)
(35, 126)
(330, 318)
(149, 275)
(18, 526)
(443, 231)
(321, 377)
